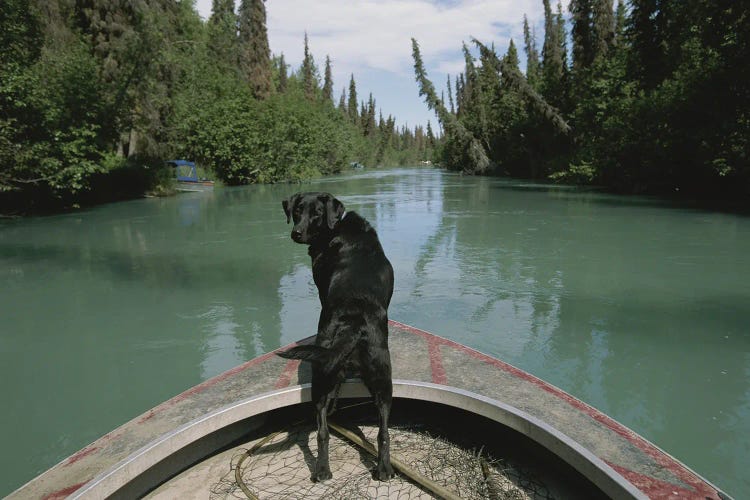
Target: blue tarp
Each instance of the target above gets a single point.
(184, 163)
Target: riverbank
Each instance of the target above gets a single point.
(134, 182)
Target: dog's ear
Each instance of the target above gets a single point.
(289, 206)
(334, 210)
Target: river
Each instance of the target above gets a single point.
(636, 306)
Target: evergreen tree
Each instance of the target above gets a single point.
(459, 93)
(583, 49)
(254, 54)
(532, 56)
(342, 102)
(362, 117)
(620, 23)
(352, 105)
(603, 28)
(328, 83)
(368, 121)
(309, 80)
(283, 77)
(552, 59)
(562, 36)
(222, 32)
(646, 52)
(430, 135)
(564, 104)
(511, 57)
(468, 88)
(450, 96)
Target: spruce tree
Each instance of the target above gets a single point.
(459, 94)
(468, 89)
(222, 32)
(532, 55)
(342, 102)
(511, 57)
(621, 18)
(645, 60)
(283, 77)
(328, 83)
(562, 36)
(603, 28)
(254, 54)
(309, 83)
(552, 59)
(564, 102)
(430, 135)
(352, 105)
(581, 11)
(368, 121)
(362, 116)
(450, 96)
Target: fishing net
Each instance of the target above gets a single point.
(280, 467)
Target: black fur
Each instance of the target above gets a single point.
(355, 285)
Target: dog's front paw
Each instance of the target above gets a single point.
(384, 472)
(321, 474)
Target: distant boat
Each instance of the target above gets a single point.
(356, 164)
(187, 177)
(237, 431)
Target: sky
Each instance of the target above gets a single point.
(372, 40)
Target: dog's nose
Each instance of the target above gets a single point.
(296, 235)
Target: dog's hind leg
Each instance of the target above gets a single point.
(383, 403)
(377, 378)
(322, 395)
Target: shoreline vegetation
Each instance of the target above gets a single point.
(96, 95)
(637, 97)
(641, 97)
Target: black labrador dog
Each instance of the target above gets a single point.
(355, 285)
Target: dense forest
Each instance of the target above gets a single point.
(96, 94)
(649, 96)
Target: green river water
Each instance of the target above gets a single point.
(638, 307)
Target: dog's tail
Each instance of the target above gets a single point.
(330, 359)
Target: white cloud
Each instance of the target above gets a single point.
(377, 33)
(365, 37)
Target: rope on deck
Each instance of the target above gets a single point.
(400, 466)
(427, 484)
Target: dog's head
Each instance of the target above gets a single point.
(314, 215)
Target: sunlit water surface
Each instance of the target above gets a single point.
(637, 307)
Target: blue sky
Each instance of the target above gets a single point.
(372, 39)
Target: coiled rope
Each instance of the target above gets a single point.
(426, 483)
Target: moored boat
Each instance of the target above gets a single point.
(186, 175)
(450, 401)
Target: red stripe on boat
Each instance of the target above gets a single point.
(436, 361)
(286, 376)
(79, 455)
(65, 492)
(657, 488)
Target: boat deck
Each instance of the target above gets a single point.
(466, 461)
(428, 363)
